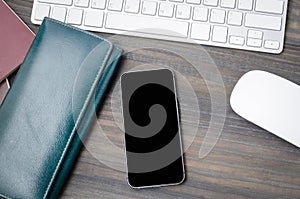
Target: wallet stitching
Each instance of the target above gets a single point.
(85, 102)
(76, 123)
(4, 196)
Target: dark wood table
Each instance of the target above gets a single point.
(246, 162)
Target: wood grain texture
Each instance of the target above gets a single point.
(246, 162)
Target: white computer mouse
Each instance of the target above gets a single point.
(269, 101)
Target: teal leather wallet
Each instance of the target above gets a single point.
(49, 108)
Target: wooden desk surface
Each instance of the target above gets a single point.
(246, 162)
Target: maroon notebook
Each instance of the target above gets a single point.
(15, 40)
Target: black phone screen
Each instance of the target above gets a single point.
(152, 133)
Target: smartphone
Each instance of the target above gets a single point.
(152, 134)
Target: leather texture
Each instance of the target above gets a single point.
(50, 107)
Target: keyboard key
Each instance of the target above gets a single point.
(263, 21)
(255, 34)
(200, 14)
(193, 1)
(200, 31)
(41, 12)
(180, 1)
(132, 6)
(160, 26)
(254, 42)
(99, 4)
(115, 5)
(219, 34)
(272, 44)
(166, 9)
(82, 3)
(61, 2)
(270, 6)
(245, 4)
(94, 18)
(228, 3)
(210, 2)
(235, 18)
(149, 7)
(237, 40)
(217, 16)
(59, 13)
(75, 16)
(183, 12)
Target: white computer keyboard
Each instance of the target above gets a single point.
(256, 25)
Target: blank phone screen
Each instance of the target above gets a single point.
(152, 133)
